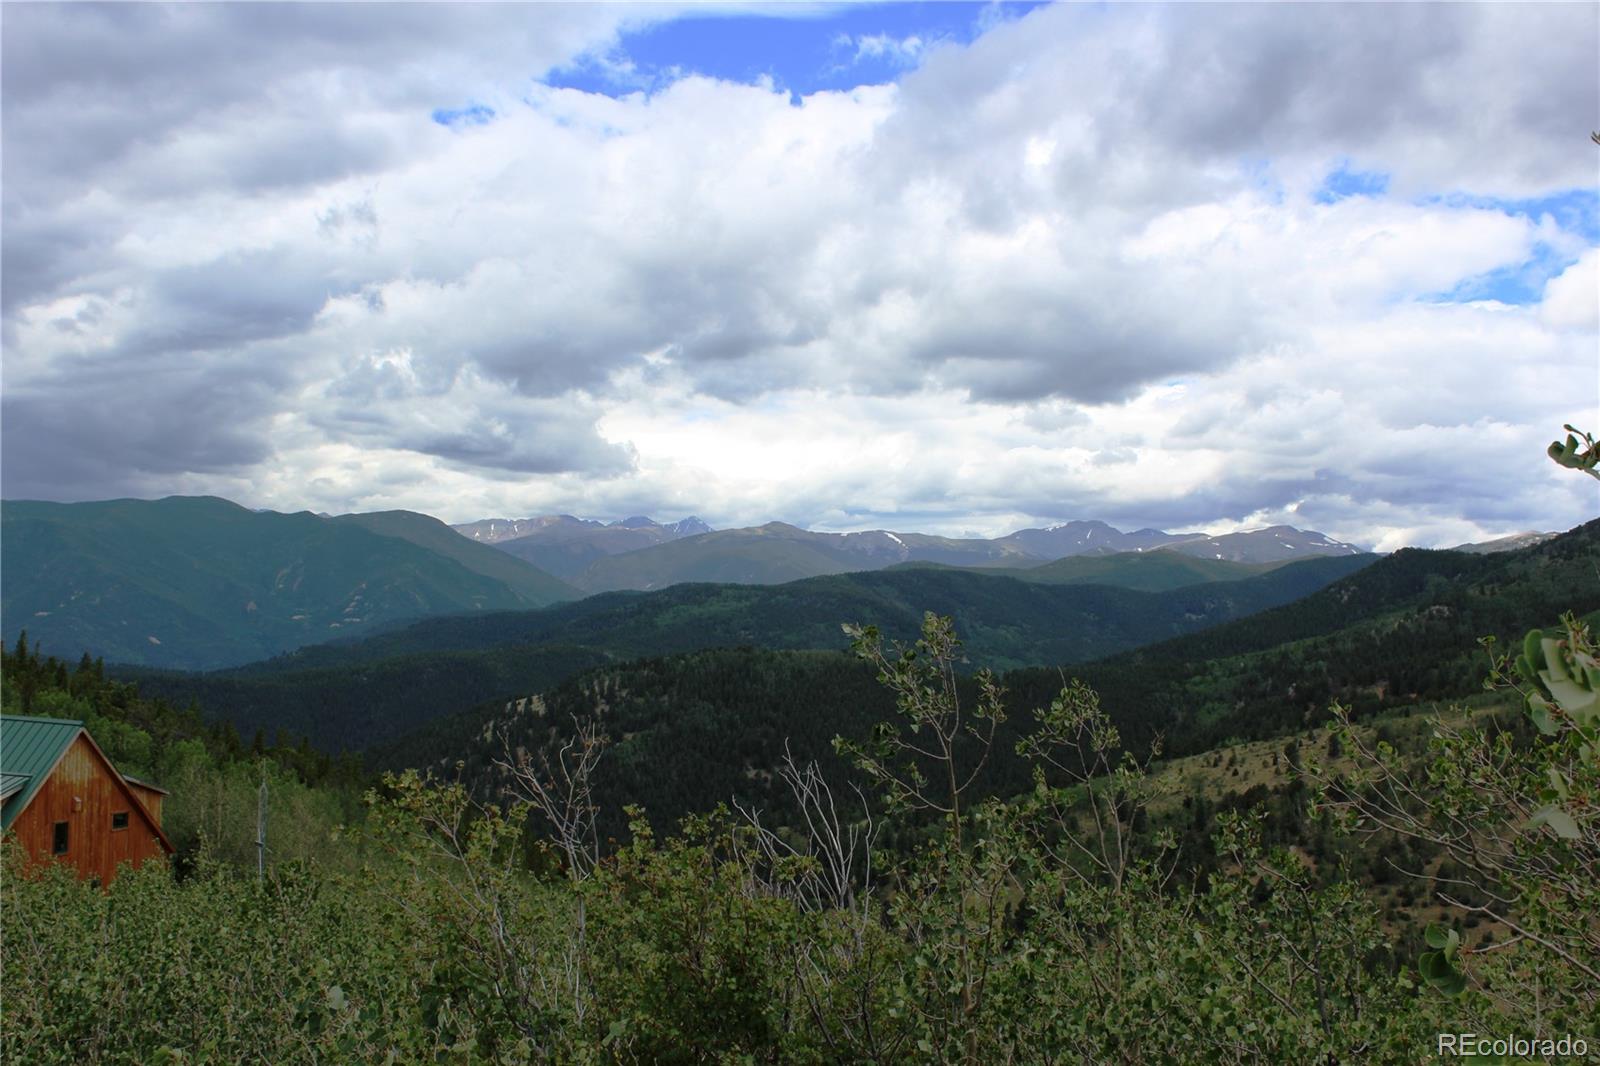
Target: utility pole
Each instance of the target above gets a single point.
(261, 826)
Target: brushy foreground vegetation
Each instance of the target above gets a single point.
(1063, 925)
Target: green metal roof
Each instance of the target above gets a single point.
(30, 747)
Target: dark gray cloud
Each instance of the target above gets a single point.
(87, 86)
(1096, 341)
(228, 304)
(451, 414)
(111, 433)
(45, 250)
(551, 447)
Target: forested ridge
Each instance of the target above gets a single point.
(1401, 632)
(1396, 631)
(354, 695)
(200, 582)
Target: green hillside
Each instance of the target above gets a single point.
(1400, 632)
(763, 555)
(567, 559)
(566, 546)
(691, 730)
(358, 693)
(700, 727)
(533, 584)
(1241, 659)
(778, 552)
(198, 582)
(1152, 571)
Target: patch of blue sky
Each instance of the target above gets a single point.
(799, 49)
(1343, 183)
(1575, 210)
(1520, 284)
(1262, 178)
(471, 115)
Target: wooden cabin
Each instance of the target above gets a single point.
(150, 795)
(63, 801)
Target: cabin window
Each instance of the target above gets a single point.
(119, 820)
(60, 846)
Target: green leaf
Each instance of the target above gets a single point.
(1438, 972)
(1533, 648)
(1555, 665)
(1539, 715)
(1565, 826)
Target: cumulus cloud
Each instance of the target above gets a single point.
(1085, 266)
(1572, 298)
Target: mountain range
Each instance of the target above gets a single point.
(560, 527)
(565, 546)
(597, 557)
(202, 583)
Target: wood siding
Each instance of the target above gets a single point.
(85, 792)
(150, 797)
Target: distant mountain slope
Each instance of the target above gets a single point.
(773, 554)
(1006, 623)
(1077, 538)
(777, 552)
(536, 586)
(195, 582)
(1505, 544)
(496, 530)
(1148, 571)
(565, 546)
(1403, 630)
(1270, 545)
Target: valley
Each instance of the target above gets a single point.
(396, 680)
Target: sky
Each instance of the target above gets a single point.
(947, 268)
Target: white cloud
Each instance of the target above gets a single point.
(1572, 298)
(1076, 269)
